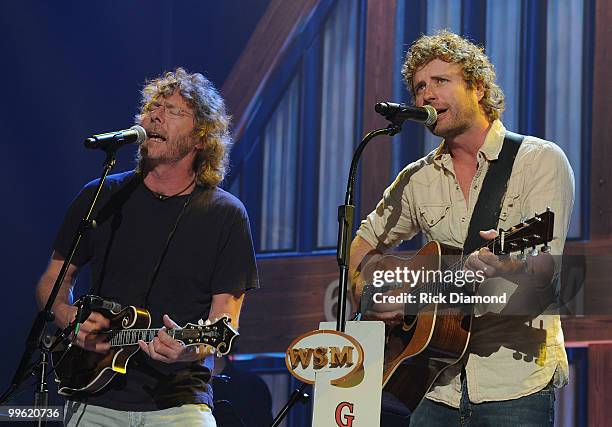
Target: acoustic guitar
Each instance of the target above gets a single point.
(435, 335)
(80, 371)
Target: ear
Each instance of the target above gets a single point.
(480, 91)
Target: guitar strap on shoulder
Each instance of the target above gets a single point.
(489, 203)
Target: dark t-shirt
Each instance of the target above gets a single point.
(210, 252)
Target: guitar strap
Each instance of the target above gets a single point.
(146, 301)
(489, 203)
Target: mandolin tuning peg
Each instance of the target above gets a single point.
(533, 252)
(545, 248)
(524, 219)
(521, 256)
(201, 322)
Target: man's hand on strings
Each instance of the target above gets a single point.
(168, 350)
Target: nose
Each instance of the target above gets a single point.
(428, 94)
(158, 115)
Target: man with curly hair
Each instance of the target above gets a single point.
(167, 239)
(509, 371)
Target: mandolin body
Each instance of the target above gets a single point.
(81, 371)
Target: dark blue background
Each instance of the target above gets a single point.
(69, 70)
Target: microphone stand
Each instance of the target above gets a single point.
(37, 338)
(345, 220)
(298, 395)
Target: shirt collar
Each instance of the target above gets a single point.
(490, 149)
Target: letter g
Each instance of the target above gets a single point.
(346, 420)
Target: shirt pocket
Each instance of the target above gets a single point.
(434, 219)
(510, 211)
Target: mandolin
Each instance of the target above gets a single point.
(80, 371)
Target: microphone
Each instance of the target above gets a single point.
(97, 303)
(426, 114)
(135, 134)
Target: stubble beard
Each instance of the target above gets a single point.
(175, 150)
(455, 124)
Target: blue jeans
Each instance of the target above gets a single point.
(82, 415)
(534, 410)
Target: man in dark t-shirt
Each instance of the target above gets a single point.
(166, 239)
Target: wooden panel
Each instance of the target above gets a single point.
(601, 149)
(580, 331)
(290, 302)
(261, 55)
(600, 387)
(596, 295)
(378, 70)
(292, 299)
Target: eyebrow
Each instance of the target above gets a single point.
(436, 76)
(443, 76)
(168, 104)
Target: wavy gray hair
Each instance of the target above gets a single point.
(211, 120)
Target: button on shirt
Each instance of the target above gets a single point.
(507, 357)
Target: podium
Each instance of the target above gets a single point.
(346, 370)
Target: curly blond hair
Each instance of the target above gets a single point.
(475, 66)
(211, 120)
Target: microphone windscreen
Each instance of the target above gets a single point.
(142, 133)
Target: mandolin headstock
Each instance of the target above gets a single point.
(219, 334)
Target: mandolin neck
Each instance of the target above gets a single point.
(123, 337)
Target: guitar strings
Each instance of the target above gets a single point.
(459, 265)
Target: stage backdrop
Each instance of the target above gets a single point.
(70, 70)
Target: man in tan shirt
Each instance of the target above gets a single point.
(510, 368)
